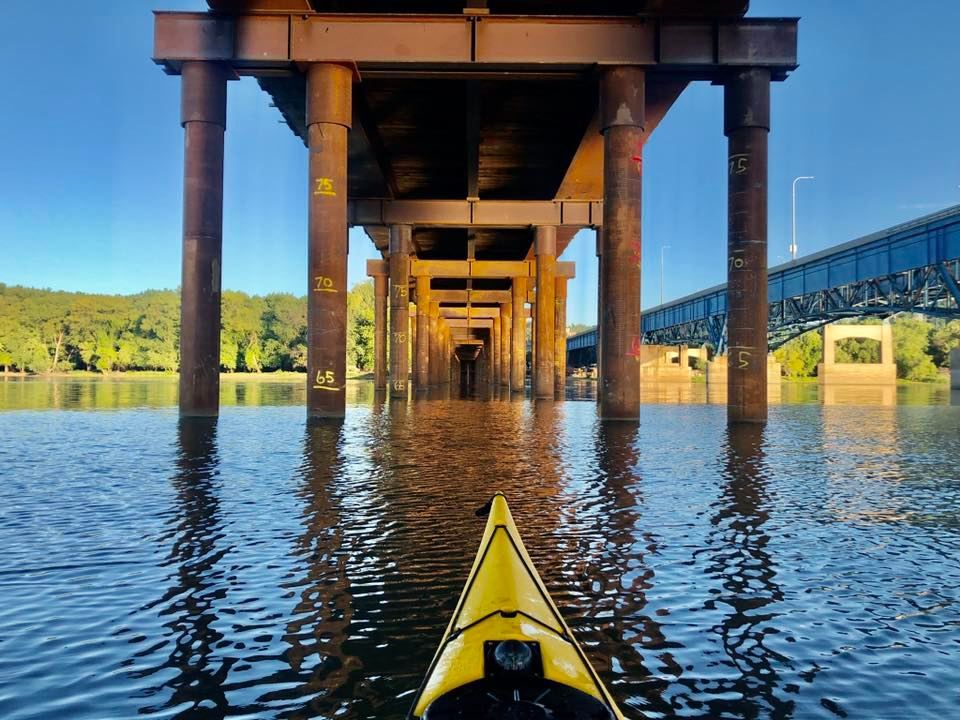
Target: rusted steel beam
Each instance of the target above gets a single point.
(476, 296)
(473, 312)
(263, 42)
(477, 213)
(560, 338)
(482, 268)
(506, 346)
(622, 119)
(518, 351)
(380, 331)
(546, 250)
(747, 125)
(472, 323)
(203, 115)
(328, 101)
(399, 310)
(423, 331)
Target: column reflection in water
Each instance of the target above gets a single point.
(194, 673)
(624, 572)
(319, 622)
(749, 685)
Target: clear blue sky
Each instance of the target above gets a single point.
(90, 170)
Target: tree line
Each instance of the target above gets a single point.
(52, 331)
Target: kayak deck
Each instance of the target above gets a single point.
(507, 651)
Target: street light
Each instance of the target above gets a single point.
(662, 248)
(793, 245)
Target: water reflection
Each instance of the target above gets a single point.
(319, 622)
(625, 573)
(739, 560)
(194, 674)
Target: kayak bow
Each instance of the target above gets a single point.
(507, 653)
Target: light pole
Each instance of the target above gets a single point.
(793, 244)
(662, 248)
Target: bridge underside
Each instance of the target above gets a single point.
(471, 144)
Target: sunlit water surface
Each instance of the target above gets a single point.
(258, 567)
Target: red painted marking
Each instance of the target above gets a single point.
(635, 348)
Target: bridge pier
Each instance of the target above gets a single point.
(560, 338)
(203, 116)
(622, 120)
(747, 125)
(380, 331)
(546, 251)
(433, 328)
(423, 332)
(518, 355)
(497, 342)
(830, 372)
(955, 369)
(506, 344)
(329, 112)
(399, 310)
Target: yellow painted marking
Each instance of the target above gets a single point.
(325, 187)
(326, 387)
(324, 284)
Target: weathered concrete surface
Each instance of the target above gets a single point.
(830, 372)
(955, 369)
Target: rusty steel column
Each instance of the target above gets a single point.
(747, 125)
(506, 342)
(434, 344)
(328, 103)
(518, 354)
(423, 332)
(399, 310)
(495, 349)
(380, 332)
(622, 121)
(203, 116)
(560, 338)
(546, 252)
(599, 342)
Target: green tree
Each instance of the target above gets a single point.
(942, 340)
(578, 328)
(800, 356)
(360, 334)
(911, 346)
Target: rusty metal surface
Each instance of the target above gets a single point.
(619, 387)
(380, 289)
(203, 116)
(414, 44)
(432, 333)
(329, 86)
(546, 263)
(423, 332)
(671, 8)
(467, 213)
(518, 353)
(399, 310)
(560, 338)
(747, 123)
(506, 346)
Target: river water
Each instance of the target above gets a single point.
(260, 567)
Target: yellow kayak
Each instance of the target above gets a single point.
(507, 654)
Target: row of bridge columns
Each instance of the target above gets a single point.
(430, 341)
(328, 119)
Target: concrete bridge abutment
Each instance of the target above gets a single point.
(830, 372)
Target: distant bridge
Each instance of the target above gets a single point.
(913, 267)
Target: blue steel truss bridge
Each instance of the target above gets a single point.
(913, 267)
